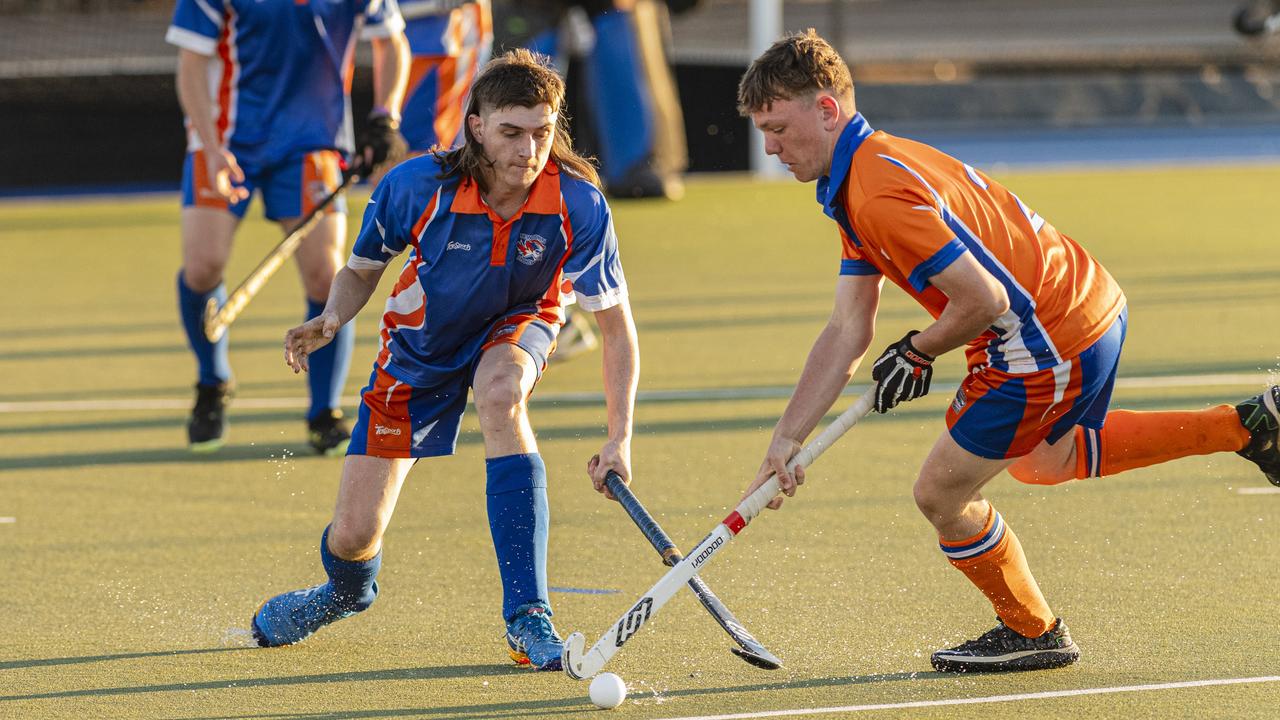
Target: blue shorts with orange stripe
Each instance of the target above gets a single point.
(1001, 415)
(400, 421)
(290, 189)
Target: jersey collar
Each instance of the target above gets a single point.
(841, 161)
(544, 196)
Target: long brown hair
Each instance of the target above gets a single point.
(520, 78)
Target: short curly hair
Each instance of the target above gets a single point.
(797, 64)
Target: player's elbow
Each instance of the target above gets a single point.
(995, 304)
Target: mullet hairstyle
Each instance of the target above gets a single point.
(520, 78)
(798, 64)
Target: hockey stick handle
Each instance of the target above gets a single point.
(218, 319)
(754, 503)
(643, 520)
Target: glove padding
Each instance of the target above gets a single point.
(901, 373)
(381, 141)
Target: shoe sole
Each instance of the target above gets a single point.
(1040, 660)
(207, 446)
(1269, 402)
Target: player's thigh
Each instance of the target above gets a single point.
(207, 236)
(320, 255)
(952, 476)
(366, 499)
(1050, 463)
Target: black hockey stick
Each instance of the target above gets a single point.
(749, 649)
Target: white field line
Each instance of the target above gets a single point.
(1258, 490)
(759, 392)
(988, 699)
(8, 520)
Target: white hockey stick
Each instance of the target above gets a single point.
(580, 663)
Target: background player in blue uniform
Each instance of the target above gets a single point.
(265, 88)
(500, 233)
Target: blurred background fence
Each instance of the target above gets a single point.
(87, 93)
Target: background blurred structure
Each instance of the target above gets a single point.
(86, 86)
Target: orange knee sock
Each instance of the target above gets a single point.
(1132, 439)
(993, 560)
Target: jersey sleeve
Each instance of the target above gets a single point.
(196, 26)
(852, 261)
(594, 267)
(382, 19)
(385, 230)
(910, 230)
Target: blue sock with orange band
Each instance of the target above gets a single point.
(519, 519)
(993, 560)
(329, 365)
(211, 358)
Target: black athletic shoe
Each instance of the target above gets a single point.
(207, 427)
(1003, 650)
(328, 434)
(1260, 415)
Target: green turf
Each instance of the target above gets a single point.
(133, 567)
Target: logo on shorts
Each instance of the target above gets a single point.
(959, 402)
(384, 430)
(503, 331)
(454, 245)
(529, 248)
(317, 191)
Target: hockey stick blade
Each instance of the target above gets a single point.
(749, 648)
(580, 663)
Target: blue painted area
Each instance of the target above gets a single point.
(583, 591)
(1106, 147)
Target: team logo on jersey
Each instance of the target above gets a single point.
(529, 248)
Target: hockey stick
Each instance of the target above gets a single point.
(217, 319)
(580, 663)
(749, 648)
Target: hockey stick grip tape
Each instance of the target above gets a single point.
(643, 520)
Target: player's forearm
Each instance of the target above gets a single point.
(193, 96)
(350, 291)
(390, 73)
(827, 371)
(621, 368)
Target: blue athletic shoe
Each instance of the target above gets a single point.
(533, 640)
(294, 616)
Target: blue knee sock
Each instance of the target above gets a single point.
(352, 584)
(621, 103)
(329, 365)
(211, 358)
(519, 519)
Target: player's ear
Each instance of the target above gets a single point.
(475, 124)
(830, 109)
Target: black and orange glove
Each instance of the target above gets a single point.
(381, 142)
(902, 373)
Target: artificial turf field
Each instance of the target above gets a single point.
(131, 567)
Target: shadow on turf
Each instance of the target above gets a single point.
(391, 675)
(273, 449)
(577, 703)
(45, 662)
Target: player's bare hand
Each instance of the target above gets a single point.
(613, 456)
(225, 175)
(308, 337)
(780, 452)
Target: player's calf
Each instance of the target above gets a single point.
(1260, 415)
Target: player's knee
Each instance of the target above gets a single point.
(933, 501)
(201, 274)
(500, 396)
(354, 539)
